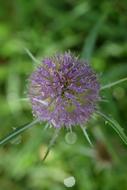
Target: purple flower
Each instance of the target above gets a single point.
(63, 90)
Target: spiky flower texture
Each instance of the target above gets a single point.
(63, 90)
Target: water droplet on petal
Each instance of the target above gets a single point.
(69, 182)
(70, 137)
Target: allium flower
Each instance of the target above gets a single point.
(63, 90)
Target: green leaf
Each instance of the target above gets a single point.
(16, 132)
(86, 135)
(116, 126)
(113, 84)
(31, 56)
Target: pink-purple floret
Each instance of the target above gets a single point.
(63, 90)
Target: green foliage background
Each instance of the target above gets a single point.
(95, 30)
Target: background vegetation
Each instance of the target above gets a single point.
(95, 30)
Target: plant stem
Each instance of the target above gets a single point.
(51, 143)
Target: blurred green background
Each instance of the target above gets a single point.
(95, 30)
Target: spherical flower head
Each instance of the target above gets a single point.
(63, 90)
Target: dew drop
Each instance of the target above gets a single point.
(70, 138)
(69, 182)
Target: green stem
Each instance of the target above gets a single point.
(16, 132)
(51, 143)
